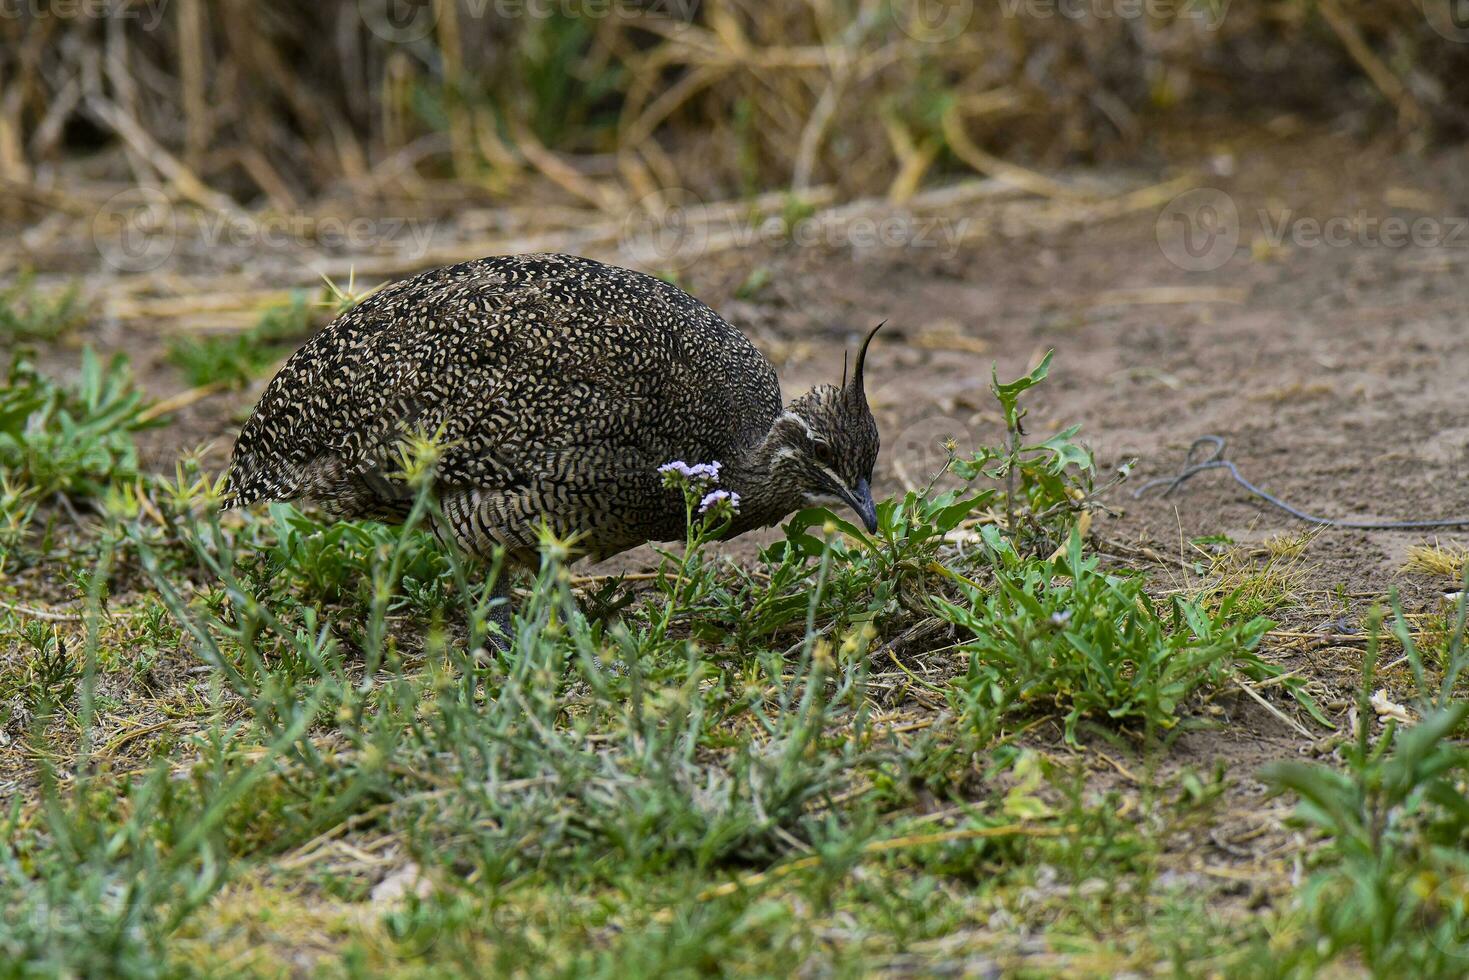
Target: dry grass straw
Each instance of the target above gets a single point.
(218, 103)
(1265, 577)
(1438, 560)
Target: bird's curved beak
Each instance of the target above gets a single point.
(860, 500)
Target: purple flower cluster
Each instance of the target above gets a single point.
(699, 476)
(714, 497)
(698, 472)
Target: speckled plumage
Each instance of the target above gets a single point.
(557, 386)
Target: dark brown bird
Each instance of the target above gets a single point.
(556, 387)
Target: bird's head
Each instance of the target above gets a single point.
(824, 445)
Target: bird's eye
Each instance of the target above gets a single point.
(822, 451)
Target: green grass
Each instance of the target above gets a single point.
(237, 359)
(1064, 634)
(70, 439)
(262, 744)
(27, 314)
(1392, 885)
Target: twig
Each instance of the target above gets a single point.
(191, 81)
(1410, 114)
(182, 400)
(112, 747)
(1216, 460)
(1300, 729)
(46, 614)
(110, 114)
(562, 174)
(1324, 637)
(967, 150)
(628, 577)
(1127, 773)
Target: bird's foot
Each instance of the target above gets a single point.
(499, 634)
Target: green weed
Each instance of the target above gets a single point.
(17, 507)
(1260, 580)
(306, 561)
(70, 439)
(27, 314)
(566, 94)
(238, 359)
(1047, 484)
(1062, 633)
(1393, 882)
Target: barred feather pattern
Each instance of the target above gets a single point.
(555, 385)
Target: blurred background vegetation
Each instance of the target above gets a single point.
(273, 103)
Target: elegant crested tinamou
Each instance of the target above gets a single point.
(558, 388)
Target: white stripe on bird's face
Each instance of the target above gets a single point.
(806, 426)
(836, 480)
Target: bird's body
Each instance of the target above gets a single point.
(555, 386)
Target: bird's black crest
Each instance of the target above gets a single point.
(857, 388)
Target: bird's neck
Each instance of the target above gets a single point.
(764, 500)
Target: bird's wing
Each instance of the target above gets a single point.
(576, 449)
(342, 403)
(543, 399)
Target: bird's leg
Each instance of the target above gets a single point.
(500, 612)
